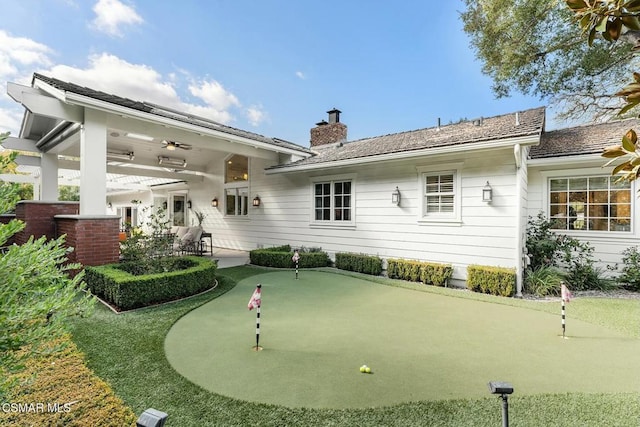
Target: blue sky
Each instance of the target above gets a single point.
(270, 67)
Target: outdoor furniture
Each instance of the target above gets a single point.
(188, 240)
(203, 243)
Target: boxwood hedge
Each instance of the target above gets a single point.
(280, 257)
(491, 280)
(360, 263)
(116, 283)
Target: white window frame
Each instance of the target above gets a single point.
(586, 173)
(450, 218)
(332, 223)
(236, 187)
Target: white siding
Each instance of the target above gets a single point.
(486, 234)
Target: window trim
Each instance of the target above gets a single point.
(453, 218)
(236, 185)
(332, 223)
(585, 173)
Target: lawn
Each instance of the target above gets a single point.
(128, 351)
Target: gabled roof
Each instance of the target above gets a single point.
(508, 126)
(580, 140)
(165, 112)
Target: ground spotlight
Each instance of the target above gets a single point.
(503, 389)
(151, 418)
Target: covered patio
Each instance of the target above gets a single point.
(126, 154)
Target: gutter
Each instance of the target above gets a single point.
(449, 149)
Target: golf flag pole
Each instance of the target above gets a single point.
(296, 258)
(566, 297)
(255, 302)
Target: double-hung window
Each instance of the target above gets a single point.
(440, 193)
(591, 203)
(333, 201)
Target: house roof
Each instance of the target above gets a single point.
(165, 112)
(514, 125)
(580, 140)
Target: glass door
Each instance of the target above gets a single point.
(178, 208)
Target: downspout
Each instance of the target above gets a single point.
(519, 252)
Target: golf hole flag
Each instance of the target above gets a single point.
(255, 300)
(566, 295)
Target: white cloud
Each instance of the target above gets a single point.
(300, 75)
(214, 94)
(111, 15)
(256, 115)
(19, 52)
(10, 120)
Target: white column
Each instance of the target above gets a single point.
(93, 163)
(48, 178)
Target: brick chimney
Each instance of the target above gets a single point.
(329, 133)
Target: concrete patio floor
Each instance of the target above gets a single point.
(230, 257)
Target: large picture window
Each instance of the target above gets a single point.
(594, 203)
(333, 201)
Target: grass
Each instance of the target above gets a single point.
(128, 351)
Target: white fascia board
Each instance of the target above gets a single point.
(20, 144)
(450, 149)
(23, 160)
(56, 93)
(38, 102)
(568, 160)
(108, 107)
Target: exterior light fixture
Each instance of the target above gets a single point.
(487, 193)
(503, 389)
(214, 202)
(152, 418)
(139, 136)
(120, 155)
(189, 204)
(256, 201)
(172, 161)
(395, 197)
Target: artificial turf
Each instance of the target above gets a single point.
(317, 331)
(127, 350)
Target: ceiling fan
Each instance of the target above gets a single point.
(172, 145)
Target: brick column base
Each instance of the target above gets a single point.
(93, 237)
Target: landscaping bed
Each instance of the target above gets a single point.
(126, 286)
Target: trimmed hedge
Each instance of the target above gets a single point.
(280, 257)
(127, 291)
(429, 273)
(55, 381)
(359, 263)
(491, 280)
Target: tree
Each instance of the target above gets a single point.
(37, 296)
(69, 193)
(534, 47)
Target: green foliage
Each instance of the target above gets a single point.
(543, 281)
(429, 273)
(142, 248)
(280, 257)
(574, 257)
(534, 47)
(631, 268)
(366, 264)
(127, 291)
(69, 193)
(60, 376)
(491, 280)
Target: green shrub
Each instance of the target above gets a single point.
(280, 257)
(57, 376)
(491, 280)
(127, 291)
(631, 268)
(543, 281)
(429, 273)
(366, 264)
(435, 274)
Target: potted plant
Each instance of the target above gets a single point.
(200, 216)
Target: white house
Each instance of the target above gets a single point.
(458, 193)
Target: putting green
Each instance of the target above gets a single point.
(317, 331)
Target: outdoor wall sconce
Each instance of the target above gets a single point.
(256, 201)
(487, 193)
(214, 202)
(110, 205)
(164, 205)
(395, 197)
(189, 204)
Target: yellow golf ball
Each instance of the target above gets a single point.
(367, 370)
(363, 368)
